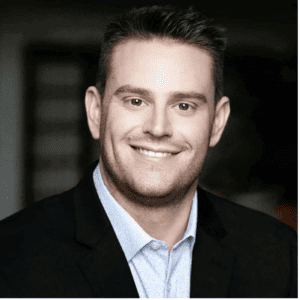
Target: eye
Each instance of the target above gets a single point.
(136, 102)
(184, 106)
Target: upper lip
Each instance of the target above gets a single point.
(158, 149)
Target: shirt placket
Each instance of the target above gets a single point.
(171, 262)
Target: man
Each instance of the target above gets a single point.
(137, 225)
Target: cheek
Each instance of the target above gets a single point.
(120, 122)
(196, 130)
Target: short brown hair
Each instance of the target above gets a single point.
(167, 22)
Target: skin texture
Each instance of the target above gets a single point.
(156, 192)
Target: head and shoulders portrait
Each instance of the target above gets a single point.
(139, 223)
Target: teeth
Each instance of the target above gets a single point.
(153, 154)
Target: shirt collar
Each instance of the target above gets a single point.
(130, 234)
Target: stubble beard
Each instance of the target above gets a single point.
(146, 199)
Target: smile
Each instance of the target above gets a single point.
(151, 153)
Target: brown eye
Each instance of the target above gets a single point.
(136, 102)
(184, 106)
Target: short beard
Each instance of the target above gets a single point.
(150, 201)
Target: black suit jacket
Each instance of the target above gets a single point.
(65, 246)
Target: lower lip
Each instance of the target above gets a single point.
(153, 157)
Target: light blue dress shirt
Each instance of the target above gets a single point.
(156, 272)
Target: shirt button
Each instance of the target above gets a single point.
(155, 246)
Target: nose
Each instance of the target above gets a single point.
(158, 124)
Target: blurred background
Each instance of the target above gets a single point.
(49, 55)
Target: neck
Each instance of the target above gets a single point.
(167, 222)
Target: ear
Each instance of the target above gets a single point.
(93, 110)
(222, 112)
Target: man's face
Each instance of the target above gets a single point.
(157, 117)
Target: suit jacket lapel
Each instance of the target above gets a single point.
(107, 270)
(212, 261)
(105, 266)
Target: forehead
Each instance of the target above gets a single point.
(161, 66)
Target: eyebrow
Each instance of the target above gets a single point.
(146, 93)
(133, 90)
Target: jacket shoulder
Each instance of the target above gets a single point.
(265, 251)
(43, 226)
(238, 219)
(44, 212)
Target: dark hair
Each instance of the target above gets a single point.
(168, 23)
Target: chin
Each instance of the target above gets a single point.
(153, 192)
(151, 187)
(154, 184)
(156, 195)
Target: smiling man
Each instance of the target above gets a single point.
(138, 225)
(155, 123)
